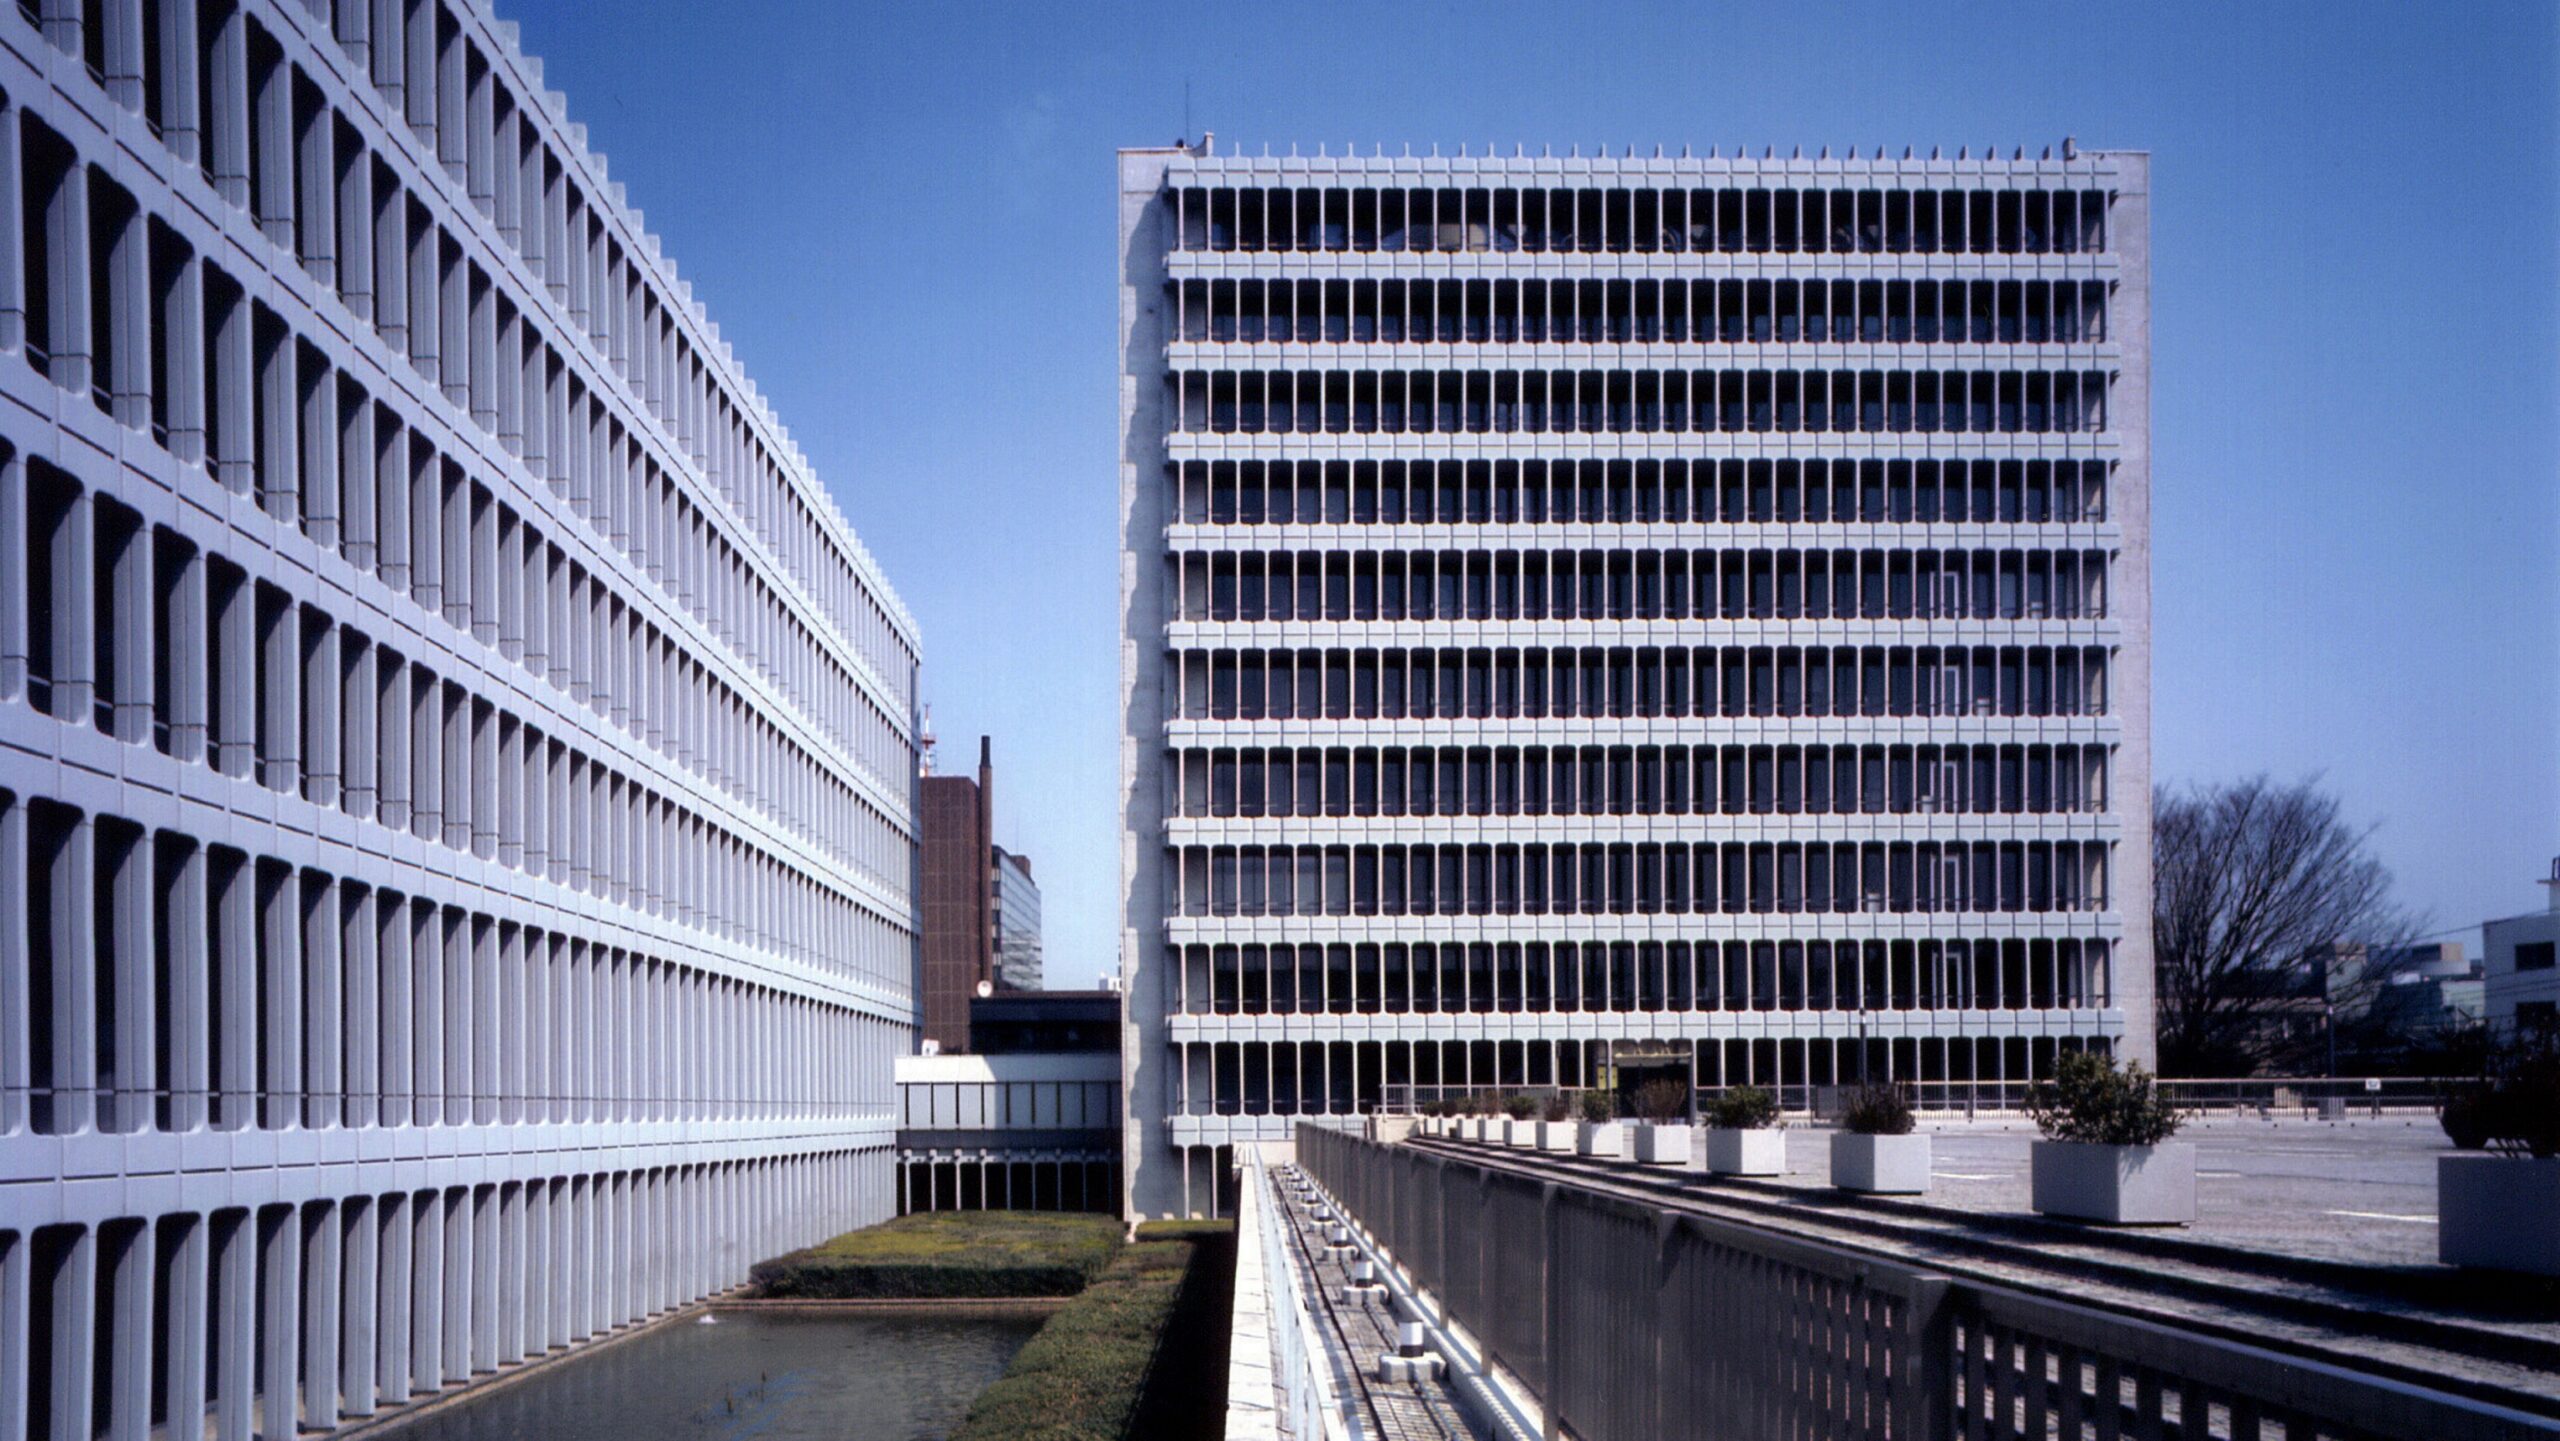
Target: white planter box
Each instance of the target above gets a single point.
(1761, 1152)
(1523, 1134)
(1481, 1128)
(1555, 1135)
(1663, 1145)
(1607, 1139)
(2119, 1185)
(1884, 1165)
(2499, 1213)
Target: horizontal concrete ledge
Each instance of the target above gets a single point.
(993, 1308)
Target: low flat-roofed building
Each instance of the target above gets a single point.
(1033, 1132)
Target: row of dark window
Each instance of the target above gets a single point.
(1393, 683)
(1254, 782)
(1648, 878)
(1256, 586)
(1538, 977)
(1991, 220)
(1617, 402)
(1643, 492)
(1642, 312)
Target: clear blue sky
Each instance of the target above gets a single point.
(902, 217)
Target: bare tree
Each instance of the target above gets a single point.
(2259, 889)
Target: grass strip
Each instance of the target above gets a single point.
(1095, 1368)
(948, 1255)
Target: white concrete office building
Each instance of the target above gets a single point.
(456, 764)
(1592, 613)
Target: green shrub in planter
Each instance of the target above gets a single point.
(2515, 1109)
(1598, 1106)
(1664, 1102)
(2087, 1099)
(948, 1254)
(1557, 1108)
(1097, 1370)
(1878, 1110)
(1520, 1105)
(1743, 1108)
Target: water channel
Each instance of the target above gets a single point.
(772, 1376)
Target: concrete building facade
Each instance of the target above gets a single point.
(957, 897)
(1585, 604)
(2522, 966)
(1016, 906)
(456, 763)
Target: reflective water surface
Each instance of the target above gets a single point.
(768, 1375)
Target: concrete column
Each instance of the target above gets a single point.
(324, 974)
(398, 1231)
(458, 1017)
(480, 140)
(280, 988)
(322, 1279)
(425, 266)
(399, 1026)
(183, 356)
(126, 1261)
(426, 958)
(323, 704)
(129, 308)
(359, 943)
(272, 95)
(227, 138)
(510, 1270)
(460, 1304)
(452, 105)
(71, 922)
(135, 1075)
(360, 724)
(233, 395)
(535, 1267)
(389, 718)
(491, 1280)
(453, 315)
(322, 503)
(360, 1259)
(279, 1239)
(13, 293)
(179, 105)
(426, 1293)
(235, 1284)
(66, 226)
(188, 1302)
(315, 146)
(279, 452)
(233, 1010)
(187, 1022)
(73, 1321)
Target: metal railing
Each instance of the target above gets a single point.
(1301, 1389)
(1631, 1323)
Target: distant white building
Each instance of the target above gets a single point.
(2523, 980)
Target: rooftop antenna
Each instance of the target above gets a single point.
(924, 738)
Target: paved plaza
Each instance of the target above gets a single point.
(2358, 1190)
